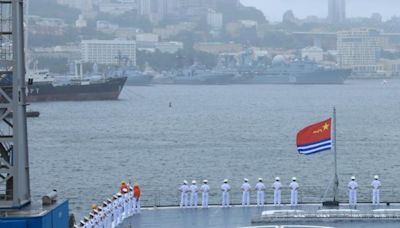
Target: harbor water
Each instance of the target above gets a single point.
(85, 149)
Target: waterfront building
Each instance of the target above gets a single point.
(107, 51)
(359, 49)
(217, 48)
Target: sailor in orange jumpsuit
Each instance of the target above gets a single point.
(136, 195)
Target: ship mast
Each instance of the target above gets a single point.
(335, 178)
(14, 162)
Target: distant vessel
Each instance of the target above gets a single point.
(198, 75)
(134, 76)
(296, 72)
(42, 86)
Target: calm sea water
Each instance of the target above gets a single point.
(84, 149)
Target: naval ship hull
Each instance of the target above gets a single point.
(106, 90)
(337, 76)
(204, 80)
(141, 80)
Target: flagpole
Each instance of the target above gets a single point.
(336, 179)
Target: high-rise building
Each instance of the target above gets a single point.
(155, 10)
(337, 11)
(359, 49)
(108, 51)
(214, 19)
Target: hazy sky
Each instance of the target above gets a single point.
(274, 9)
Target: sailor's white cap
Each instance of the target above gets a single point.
(119, 194)
(260, 179)
(246, 180)
(353, 177)
(205, 181)
(85, 218)
(294, 179)
(376, 177)
(225, 180)
(82, 222)
(185, 182)
(125, 190)
(277, 178)
(194, 182)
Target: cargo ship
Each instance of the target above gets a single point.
(41, 86)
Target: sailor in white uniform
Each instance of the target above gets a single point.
(294, 188)
(120, 201)
(260, 188)
(225, 188)
(277, 186)
(193, 194)
(352, 191)
(110, 213)
(246, 192)
(204, 194)
(376, 185)
(132, 202)
(115, 210)
(184, 189)
(125, 203)
(86, 222)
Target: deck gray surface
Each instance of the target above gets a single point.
(237, 217)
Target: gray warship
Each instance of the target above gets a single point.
(295, 72)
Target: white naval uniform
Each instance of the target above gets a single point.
(352, 193)
(193, 195)
(294, 190)
(92, 222)
(376, 185)
(101, 219)
(246, 194)
(204, 195)
(260, 188)
(277, 186)
(225, 188)
(119, 210)
(125, 204)
(184, 189)
(106, 211)
(132, 203)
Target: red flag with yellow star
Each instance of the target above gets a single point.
(315, 138)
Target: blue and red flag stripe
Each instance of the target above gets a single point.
(315, 138)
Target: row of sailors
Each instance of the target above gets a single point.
(113, 211)
(189, 194)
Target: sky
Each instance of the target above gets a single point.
(274, 9)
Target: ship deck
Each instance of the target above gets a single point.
(237, 216)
